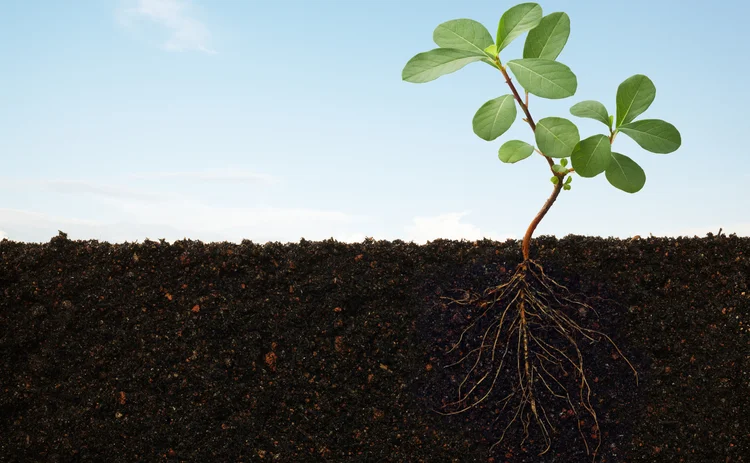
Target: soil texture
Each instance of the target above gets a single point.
(334, 352)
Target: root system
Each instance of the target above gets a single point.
(529, 353)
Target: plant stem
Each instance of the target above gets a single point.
(530, 231)
(525, 108)
(558, 186)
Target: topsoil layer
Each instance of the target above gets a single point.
(326, 351)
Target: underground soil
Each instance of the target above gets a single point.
(327, 351)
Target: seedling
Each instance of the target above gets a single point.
(529, 314)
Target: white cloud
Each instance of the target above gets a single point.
(185, 33)
(110, 191)
(235, 223)
(179, 219)
(135, 214)
(36, 227)
(3, 235)
(447, 226)
(106, 190)
(114, 191)
(28, 226)
(214, 175)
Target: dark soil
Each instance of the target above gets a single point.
(326, 351)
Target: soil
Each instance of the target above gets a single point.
(326, 351)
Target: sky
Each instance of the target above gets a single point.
(221, 120)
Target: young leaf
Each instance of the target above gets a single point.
(548, 39)
(564, 162)
(544, 77)
(559, 168)
(491, 50)
(653, 135)
(566, 187)
(591, 109)
(634, 96)
(625, 174)
(516, 21)
(463, 34)
(611, 119)
(568, 180)
(592, 156)
(432, 64)
(515, 150)
(495, 117)
(554, 180)
(556, 137)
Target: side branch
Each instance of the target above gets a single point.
(537, 219)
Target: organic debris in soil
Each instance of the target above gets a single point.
(326, 351)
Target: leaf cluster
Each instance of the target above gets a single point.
(464, 41)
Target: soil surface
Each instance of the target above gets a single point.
(326, 351)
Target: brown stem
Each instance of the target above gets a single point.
(530, 231)
(558, 186)
(525, 108)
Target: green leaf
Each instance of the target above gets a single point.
(463, 34)
(554, 180)
(591, 109)
(559, 168)
(432, 64)
(515, 150)
(495, 117)
(516, 21)
(556, 137)
(568, 180)
(611, 119)
(544, 77)
(653, 135)
(548, 39)
(625, 174)
(564, 162)
(634, 96)
(491, 50)
(592, 156)
(566, 187)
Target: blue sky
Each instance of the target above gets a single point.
(275, 120)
